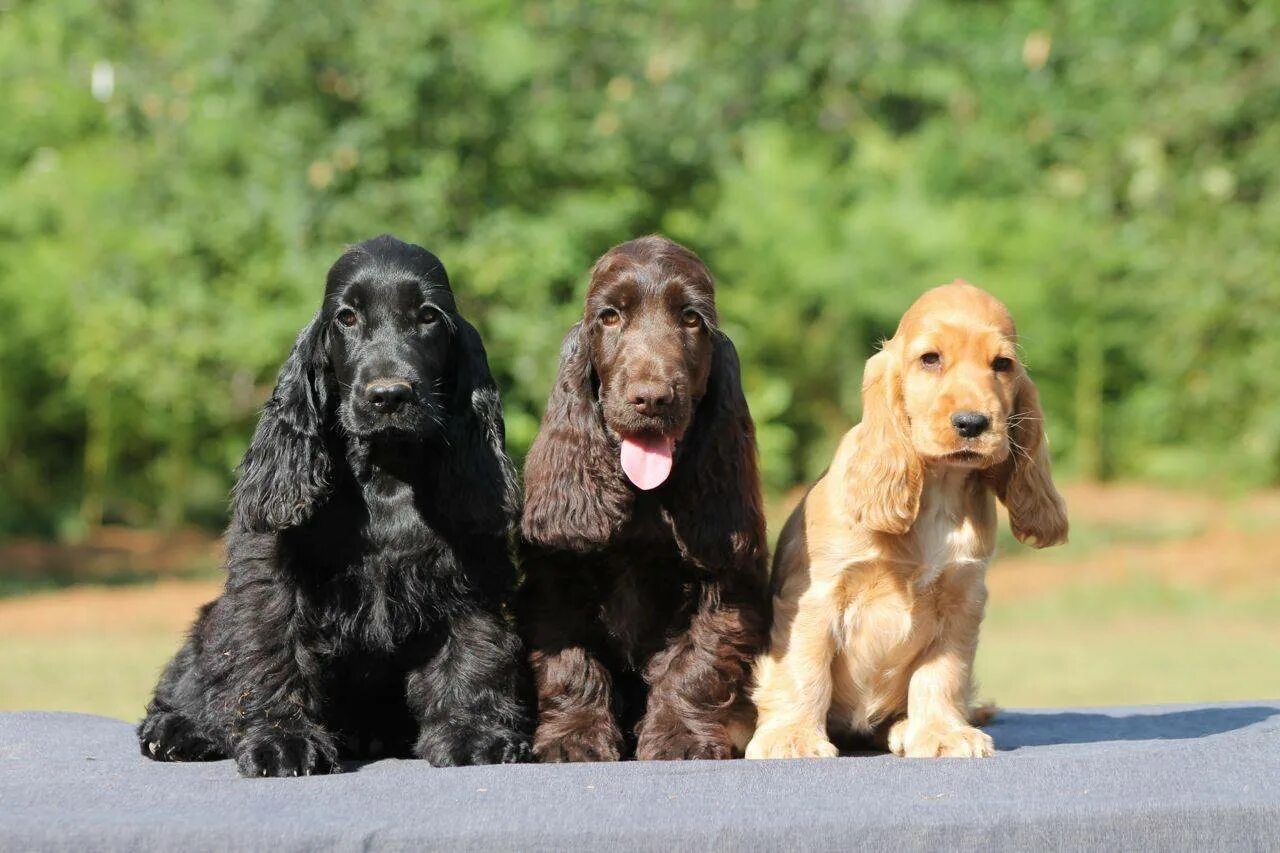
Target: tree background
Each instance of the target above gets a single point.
(175, 178)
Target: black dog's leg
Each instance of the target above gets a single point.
(276, 693)
(172, 730)
(466, 697)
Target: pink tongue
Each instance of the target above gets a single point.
(646, 460)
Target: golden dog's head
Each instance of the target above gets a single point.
(948, 390)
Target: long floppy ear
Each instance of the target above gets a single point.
(883, 476)
(477, 479)
(715, 499)
(574, 495)
(285, 472)
(1037, 513)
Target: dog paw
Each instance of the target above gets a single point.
(166, 736)
(683, 746)
(790, 743)
(458, 749)
(576, 747)
(939, 742)
(280, 754)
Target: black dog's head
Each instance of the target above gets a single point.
(389, 319)
(388, 359)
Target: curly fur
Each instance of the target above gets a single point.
(879, 575)
(367, 569)
(642, 610)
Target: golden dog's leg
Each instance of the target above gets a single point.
(793, 681)
(938, 697)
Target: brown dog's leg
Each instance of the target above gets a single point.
(575, 707)
(698, 704)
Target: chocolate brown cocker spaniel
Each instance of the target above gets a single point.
(645, 592)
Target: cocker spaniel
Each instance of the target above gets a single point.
(645, 594)
(878, 576)
(368, 552)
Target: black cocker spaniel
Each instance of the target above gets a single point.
(368, 553)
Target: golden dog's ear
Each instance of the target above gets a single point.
(1023, 482)
(883, 475)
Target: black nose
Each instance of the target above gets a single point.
(969, 424)
(387, 395)
(651, 398)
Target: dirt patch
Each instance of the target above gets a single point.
(1188, 538)
(1199, 540)
(113, 553)
(164, 607)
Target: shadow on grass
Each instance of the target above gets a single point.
(1014, 730)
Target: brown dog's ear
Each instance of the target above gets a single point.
(1023, 482)
(715, 499)
(884, 475)
(574, 494)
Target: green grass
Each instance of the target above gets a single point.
(1136, 641)
(111, 675)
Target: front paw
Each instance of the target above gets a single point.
(277, 753)
(939, 741)
(782, 742)
(683, 745)
(556, 746)
(453, 748)
(167, 736)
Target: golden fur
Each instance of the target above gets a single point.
(878, 581)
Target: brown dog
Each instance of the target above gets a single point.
(879, 575)
(644, 550)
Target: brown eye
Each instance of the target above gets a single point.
(691, 319)
(1002, 364)
(610, 317)
(428, 316)
(931, 359)
(346, 317)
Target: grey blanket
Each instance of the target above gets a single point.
(1193, 777)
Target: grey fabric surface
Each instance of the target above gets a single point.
(1185, 777)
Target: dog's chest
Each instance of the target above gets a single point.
(952, 527)
(377, 574)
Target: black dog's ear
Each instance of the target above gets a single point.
(477, 480)
(716, 505)
(574, 495)
(286, 470)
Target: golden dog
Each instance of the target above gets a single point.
(878, 576)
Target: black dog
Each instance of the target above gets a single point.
(368, 552)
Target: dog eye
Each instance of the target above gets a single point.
(346, 317)
(1002, 364)
(428, 316)
(610, 317)
(691, 319)
(931, 359)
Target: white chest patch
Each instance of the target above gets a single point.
(945, 530)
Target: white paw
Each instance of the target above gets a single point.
(939, 741)
(790, 743)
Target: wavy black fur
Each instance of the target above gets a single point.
(368, 558)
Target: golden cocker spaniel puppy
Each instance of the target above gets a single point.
(878, 576)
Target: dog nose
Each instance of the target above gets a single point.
(970, 424)
(651, 399)
(387, 395)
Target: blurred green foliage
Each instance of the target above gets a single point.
(176, 177)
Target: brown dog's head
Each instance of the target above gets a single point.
(949, 391)
(647, 326)
(648, 397)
